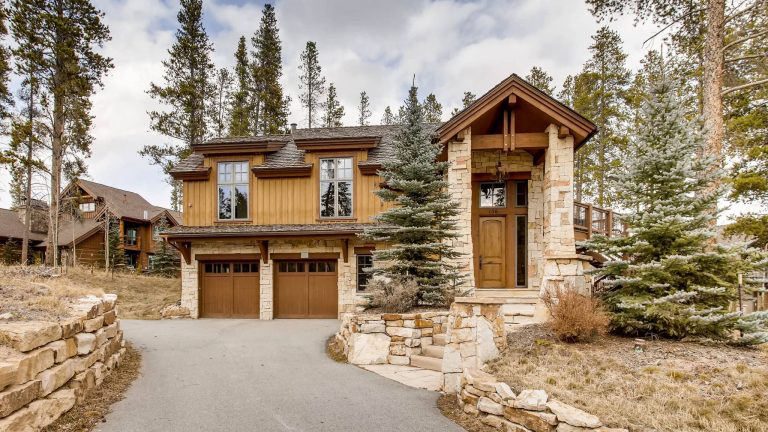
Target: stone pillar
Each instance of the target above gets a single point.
(265, 289)
(460, 188)
(562, 266)
(189, 286)
(475, 335)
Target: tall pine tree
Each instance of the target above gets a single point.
(6, 100)
(311, 82)
(541, 80)
(466, 101)
(271, 110)
(364, 109)
(240, 109)
(186, 91)
(220, 102)
(388, 118)
(61, 39)
(422, 224)
(333, 111)
(669, 281)
(433, 110)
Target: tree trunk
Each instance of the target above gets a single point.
(712, 86)
(28, 192)
(51, 258)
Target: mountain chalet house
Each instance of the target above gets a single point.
(271, 223)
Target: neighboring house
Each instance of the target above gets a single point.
(85, 227)
(12, 226)
(271, 223)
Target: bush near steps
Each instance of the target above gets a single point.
(48, 367)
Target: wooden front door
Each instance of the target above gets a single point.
(306, 289)
(492, 250)
(230, 290)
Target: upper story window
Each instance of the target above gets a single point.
(336, 187)
(233, 190)
(493, 195)
(131, 236)
(88, 207)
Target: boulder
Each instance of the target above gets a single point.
(86, 342)
(109, 301)
(17, 396)
(101, 337)
(372, 327)
(533, 400)
(32, 363)
(486, 405)
(39, 413)
(82, 383)
(111, 316)
(56, 376)
(368, 348)
(111, 330)
(404, 332)
(530, 419)
(28, 335)
(8, 372)
(175, 311)
(486, 346)
(399, 360)
(573, 416)
(505, 392)
(63, 349)
(451, 382)
(451, 359)
(91, 325)
(492, 421)
(71, 327)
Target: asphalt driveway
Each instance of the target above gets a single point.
(250, 375)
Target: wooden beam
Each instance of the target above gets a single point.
(563, 132)
(311, 255)
(512, 140)
(539, 157)
(484, 177)
(505, 131)
(345, 249)
(512, 99)
(228, 257)
(523, 141)
(184, 248)
(264, 248)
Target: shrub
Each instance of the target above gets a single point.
(396, 295)
(575, 317)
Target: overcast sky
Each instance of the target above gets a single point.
(376, 46)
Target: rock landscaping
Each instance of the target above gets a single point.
(48, 367)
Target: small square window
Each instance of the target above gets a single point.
(493, 195)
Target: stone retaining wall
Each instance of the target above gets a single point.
(498, 406)
(47, 367)
(388, 338)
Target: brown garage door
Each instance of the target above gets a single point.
(230, 290)
(306, 289)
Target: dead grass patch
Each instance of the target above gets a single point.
(85, 416)
(664, 386)
(335, 350)
(449, 407)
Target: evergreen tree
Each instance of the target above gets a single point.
(60, 38)
(538, 78)
(166, 261)
(466, 101)
(333, 111)
(311, 82)
(6, 101)
(271, 107)
(670, 282)
(421, 225)
(240, 108)
(11, 254)
(186, 90)
(388, 118)
(117, 259)
(364, 109)
(433, 110)
(221, 101)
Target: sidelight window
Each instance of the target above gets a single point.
(233, 190)
(336, 187)
(521, 240)
(364, 267)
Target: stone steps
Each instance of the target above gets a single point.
(435, 351)
(424, 362)
(438, 339)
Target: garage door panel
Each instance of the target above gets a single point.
(323, 299)
(217, 296)
(245, 302)
(229, 290)
(292, 295)
(306, 289)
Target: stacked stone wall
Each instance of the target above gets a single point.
(48, 367)
(388, 338)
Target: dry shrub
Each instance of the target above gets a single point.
(396, 295)
(575, 317)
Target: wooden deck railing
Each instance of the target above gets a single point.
(588, 220)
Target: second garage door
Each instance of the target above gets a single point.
(306, 289)
(230, 290)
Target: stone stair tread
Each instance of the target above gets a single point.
(435, 351)
(424, 362)
(438, 339)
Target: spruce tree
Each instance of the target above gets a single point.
(240, 109)
(433, 110)
(186, 92)
(466, 101)
(422, 224)
(388, 118)
(61, 39)
(311, 82)
(540, 79)
(166, 261)
(364, 109)
(117, 260)
(669, 281)
(221, 99)
(10, 253)
(271, 111)
(6, 100)
(333, 111)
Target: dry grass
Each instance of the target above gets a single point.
(575, 317)
(38, 293)
(85, 416)
(664, 386)
(335, 350)
(450, 408)
(399, 295)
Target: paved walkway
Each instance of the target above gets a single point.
(250, 375)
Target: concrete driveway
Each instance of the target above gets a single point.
(250, 375)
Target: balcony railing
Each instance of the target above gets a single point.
(589, 220)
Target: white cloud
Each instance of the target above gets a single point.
(450, 45)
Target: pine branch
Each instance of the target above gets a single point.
(744, 86)
(747, 57)
(744, 39)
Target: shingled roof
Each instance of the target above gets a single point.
(123, 203)
(11, 226)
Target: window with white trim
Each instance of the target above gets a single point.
(88, 207)
(336, 187)
(233, 190)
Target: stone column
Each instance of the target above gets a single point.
(265, 289)
(189, 286)
(460, 188)
(562, 267)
